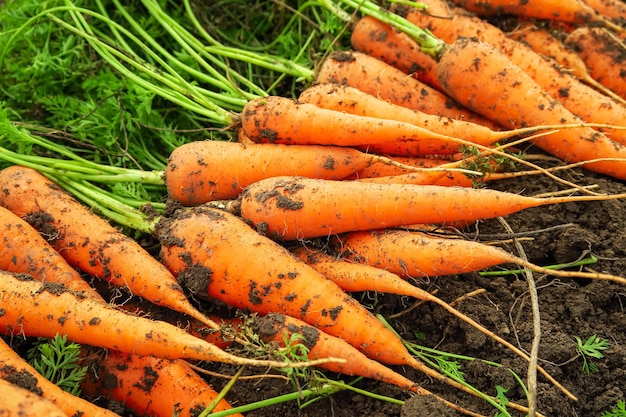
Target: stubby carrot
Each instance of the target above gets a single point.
(505, 93)
(88, 242)
(380, 79)
(149, 386)
(14, 368)
(283, 120)
(24, 250)
(37, 309)
(202, 171)
(290, 208)
(18, 401)
(580, 99)
(603, 54)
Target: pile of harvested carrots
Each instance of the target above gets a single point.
(320, 197)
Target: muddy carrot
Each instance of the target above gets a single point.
(144, 384)
(18, 401)
(380, 79)
(612, 9)
(88, 242)
(14, 368)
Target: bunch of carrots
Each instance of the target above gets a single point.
(319, 197)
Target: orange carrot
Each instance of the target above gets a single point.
(612, 9)
(542, 41)
(590, 105)
(203, 171)
(254, 273)
(382, 170)
(24, 250)
(14, 369)
(144, 384)
(32, 308)
(382, 80)
(571, 11)
(282, 120)
(88, 242)
(505, 93)
(289, 208)
(18, 401)
(603, 54)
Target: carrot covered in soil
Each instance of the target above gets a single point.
(505, 93)
(144, 384)
(14, 368)
(202, 171)
(380, 79)
(580, 99)
(220, 257)
(612, 9)
(603, 54)
(24, 250)
(88, 242)
(32, 308)
(290, 208)
(18, 401)
(278, 119)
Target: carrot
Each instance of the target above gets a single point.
(289, 208)
(89, 242)
(282, 120)
(570, 11)
(505, 93)
(380, 79)
(382, 170)
(24, 250)
(603, 54)
(590, 105)
(542, 41)
(37, 309)
(611, 9)
(14, 369)
(203, 171)
(357, 277)
(145, 385)
(18, 401)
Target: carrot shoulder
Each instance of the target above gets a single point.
(504, 92)
(87, 241)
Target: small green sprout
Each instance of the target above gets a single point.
(592, 348)
(618, 411)
(58, 361)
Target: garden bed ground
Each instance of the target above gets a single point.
(568, 308)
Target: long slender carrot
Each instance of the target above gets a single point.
(24, 250)
(603, 54)
(357, 277)
(32, 308)
(542, 41)
(290, 208)
(203, 171)
(590, 105)
(380, 79)
(505, 93)
(13, 368)
(219, 256)
(282, 120)
(571, 11)
(18, 401)
(88, 242)
(145, 385)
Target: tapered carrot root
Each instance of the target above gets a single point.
(144, 384)
(18, 401)
(24, 250)
(282, 120)
(364, 72)
(590, 105)
(513, 92)
(290, 208)
(88, 242)
(203, 171)
(14, 368)
(32, 308)
(603, 54)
